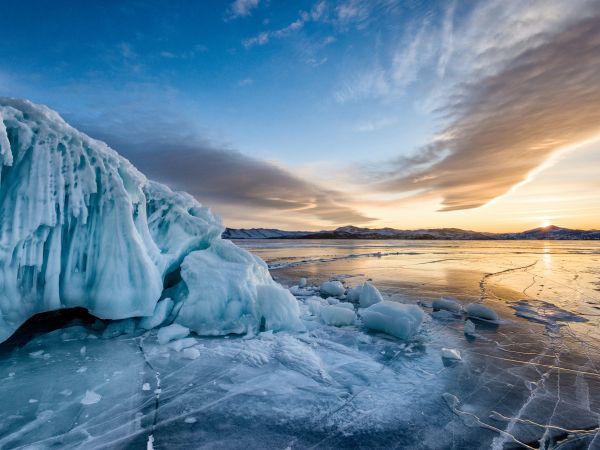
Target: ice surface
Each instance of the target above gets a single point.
(333, 288)
(337, 315)
(402, 321)
(81, 227)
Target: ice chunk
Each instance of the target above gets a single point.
(353, 294)
(332, 288)
(337, 316)
(469, 328)
(480, 311)
(231, 291)
(346, 305)
(172, 332)
(190, 353)
(332, 300)
(451, 354)
(146, 387)
(447, 304)
(442, 314)
(369, 295)
(302, 283)
(161, 312)
(397, 319)
(315, 304)
(180, 344)
(90, 398)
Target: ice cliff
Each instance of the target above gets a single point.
(80, 226)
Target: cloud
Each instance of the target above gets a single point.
(245, 82)
(242, 8)
(228, 179)
(504, 126)
(260, 39)
(316, 13)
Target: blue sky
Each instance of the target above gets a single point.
(330, 111)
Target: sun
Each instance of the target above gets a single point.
(546, 223)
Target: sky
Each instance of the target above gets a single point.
(307, 115)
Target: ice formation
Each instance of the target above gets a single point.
(333, 288)
(447, 304)
(369, 295)
(451, 354)
(480, 311)
(397, 319)
(337, 316)
(80, 226)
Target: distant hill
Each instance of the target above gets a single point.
(352, 232)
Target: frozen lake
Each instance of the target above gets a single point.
(531, 381)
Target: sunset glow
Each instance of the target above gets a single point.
(327, 113)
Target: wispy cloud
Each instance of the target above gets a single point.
(245, 82)
(241, 8)
(316, 13)
(536, 96)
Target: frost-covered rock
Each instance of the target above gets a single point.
(402, 321)
(447, 304)
(332, 288)
(80, 226)
(337, 316)
(480, 311)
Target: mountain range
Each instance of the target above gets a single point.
(351, 232)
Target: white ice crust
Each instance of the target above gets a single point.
(80, 226)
